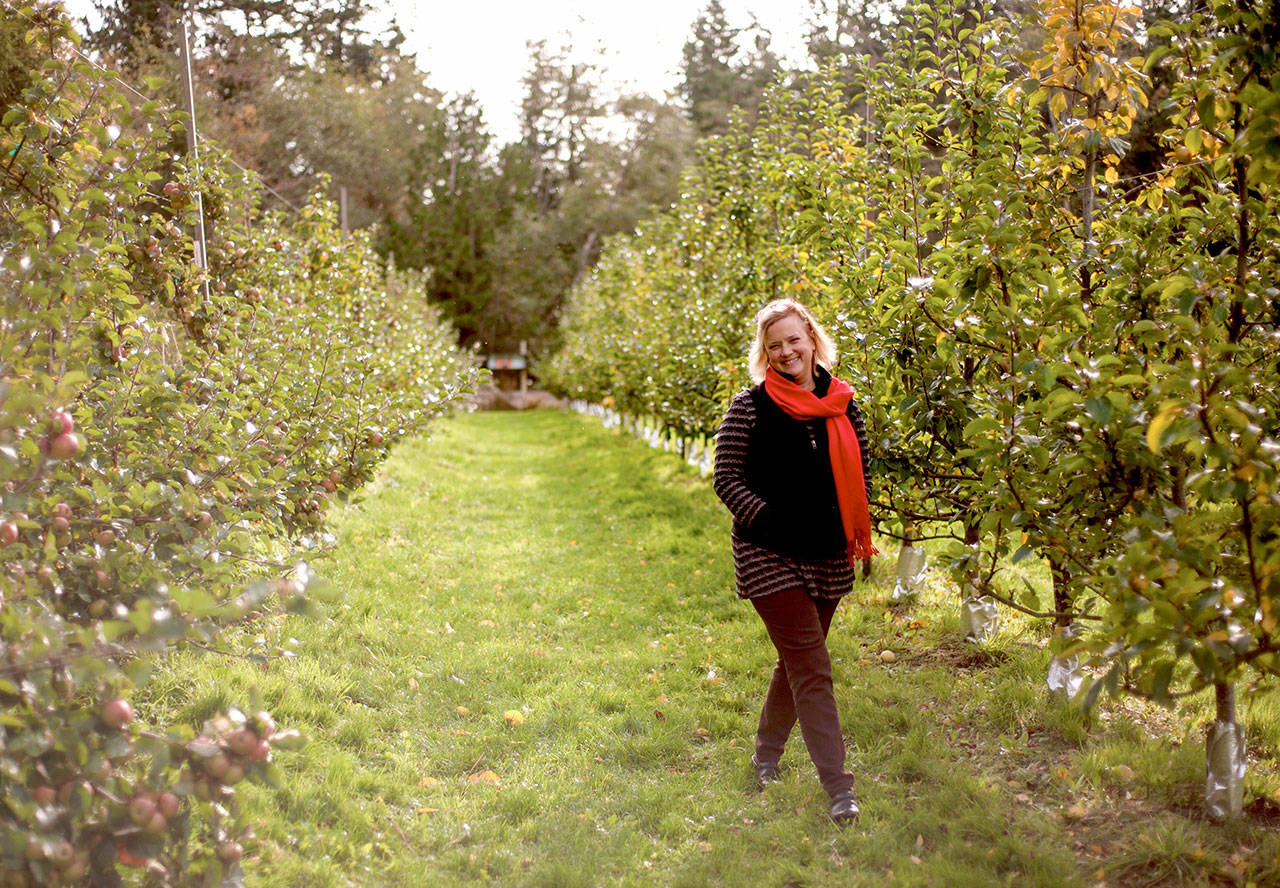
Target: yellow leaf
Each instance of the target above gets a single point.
(1155, 431)
(513, 717)
(487, 777)
(428, 782)
(1111, 175)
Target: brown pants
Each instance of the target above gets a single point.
(801, 687)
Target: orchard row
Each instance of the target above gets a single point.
(170, 440)
(1048, 250)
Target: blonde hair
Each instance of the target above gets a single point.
(824, 347)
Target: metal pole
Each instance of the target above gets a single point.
(193, 144)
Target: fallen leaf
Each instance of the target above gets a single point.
(484, 777)
(428, 782)
(513, 717)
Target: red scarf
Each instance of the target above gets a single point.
(842, 444)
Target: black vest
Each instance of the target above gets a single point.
(789, 467)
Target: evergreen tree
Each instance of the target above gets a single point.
(720, 75)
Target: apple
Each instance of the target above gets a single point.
(375, 437)
(64, 446)
(141, 809)
(328, 485)
(105, 537)
(157, 824)
(261, 751)
(61, 423)
(8, 533)
(230, 852)
(44, 795)
(168, 803)
(204, 520)
(235, 773)
(46, 574)
(242, 741)
(61, 853)
(217, 765)
(60, 525)
(62, 510)
(117, 713)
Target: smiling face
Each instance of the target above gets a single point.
(789, 346)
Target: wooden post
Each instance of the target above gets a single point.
(193, 145)
(342, 207)
(524, 373)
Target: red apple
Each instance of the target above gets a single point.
(61, 423)
(44, 795)
(204, 520)
(8, 533)
(168, 803)
(242, 741)
(230, 852)
(64, 446)
(261, 751)
(117, 713)
(141, 809)
(157, 824)
(62, 510)
(60, 525)
(105, 537)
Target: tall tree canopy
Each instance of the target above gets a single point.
(720, 74)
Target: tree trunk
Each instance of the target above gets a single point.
(1224, 758)
(1065, 675)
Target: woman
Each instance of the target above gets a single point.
(791, 467)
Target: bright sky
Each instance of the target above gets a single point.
(480, 44)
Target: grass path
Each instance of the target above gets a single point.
(534, 672)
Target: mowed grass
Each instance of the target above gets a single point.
(535, 672)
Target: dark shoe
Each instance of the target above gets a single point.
(766, 772)
(844, 808)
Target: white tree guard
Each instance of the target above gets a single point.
(1224, 770)
(910, 575)
(979, 617)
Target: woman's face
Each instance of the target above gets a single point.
(789, 347)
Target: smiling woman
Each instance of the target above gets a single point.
(791, 467)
